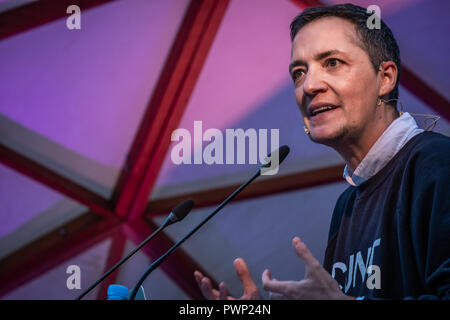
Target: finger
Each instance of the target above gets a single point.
(224, 292)
(311, 263)
(266, 277)
(246, 278)
(286, 288)
(277, 296)
(208, 291)
(273, 285)
(198, 277)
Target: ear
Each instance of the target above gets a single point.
(388, 73)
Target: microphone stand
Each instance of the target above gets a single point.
(157, 262)
(165, 224)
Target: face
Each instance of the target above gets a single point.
(336, 86)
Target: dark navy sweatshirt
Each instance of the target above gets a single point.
(390, 236)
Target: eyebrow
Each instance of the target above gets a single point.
(319, 56)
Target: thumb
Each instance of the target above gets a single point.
(244, 275)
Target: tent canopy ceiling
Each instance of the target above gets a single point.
(73, 101)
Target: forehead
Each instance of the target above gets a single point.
(324, 34)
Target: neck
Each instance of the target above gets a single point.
(354, 149)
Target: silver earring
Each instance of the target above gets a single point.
(306, 130)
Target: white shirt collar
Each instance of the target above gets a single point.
(400, 131)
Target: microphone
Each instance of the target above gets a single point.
(279, 155)
(277, 158)
(176, 215)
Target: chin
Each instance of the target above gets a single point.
(327, 137)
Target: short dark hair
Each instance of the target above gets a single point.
(379, 44)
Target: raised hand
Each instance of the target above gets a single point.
(251, 291)
(317, 283)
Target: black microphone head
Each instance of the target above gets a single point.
(282, 151)
(181, 211)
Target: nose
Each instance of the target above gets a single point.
(313, 83)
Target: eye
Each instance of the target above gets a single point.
(333, 62)
(297, 74)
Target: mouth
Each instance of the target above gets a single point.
(318, 109)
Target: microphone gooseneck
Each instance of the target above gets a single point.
(282, 154)
(176, 215)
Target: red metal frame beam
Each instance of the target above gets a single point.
(167, 105)
(178, 266)
(53, 180)
(425, 93)
(37, 13)
(422, 90)
(115, 253)
(258, 188)
(303, 4)
(53, 249)
(173, 91)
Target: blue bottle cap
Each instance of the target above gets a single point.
(118, 291)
